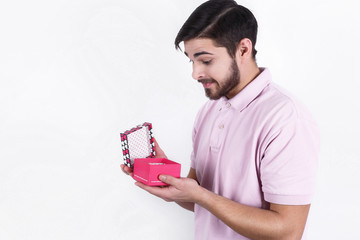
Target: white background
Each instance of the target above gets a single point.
(76, 73)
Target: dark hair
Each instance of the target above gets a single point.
(223, 21)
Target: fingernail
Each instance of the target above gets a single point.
(162, 177)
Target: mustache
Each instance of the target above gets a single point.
(206, 81)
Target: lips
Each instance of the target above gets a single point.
(207, 85)
(206, 82)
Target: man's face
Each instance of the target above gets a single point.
(213, 67)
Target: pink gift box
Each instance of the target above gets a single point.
(147, 170)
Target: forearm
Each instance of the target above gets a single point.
(187, 205)
(251, 222)
(279, 222)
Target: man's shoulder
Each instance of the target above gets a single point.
(278, 108)
(277, 97)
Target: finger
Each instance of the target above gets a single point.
(126, 169)
(122, 166)
(159, 153)
(168, 179)
(157, 191)
(161, 192)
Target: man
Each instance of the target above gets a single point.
(254, 147)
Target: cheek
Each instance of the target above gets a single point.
(216, 72)
(220, 70)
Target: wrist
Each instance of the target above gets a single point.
(202, 196)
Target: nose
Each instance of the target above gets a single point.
(198, 72)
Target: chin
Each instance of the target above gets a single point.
(211, 95)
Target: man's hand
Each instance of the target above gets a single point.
(159, 153)
(126, 170)
(179, 189)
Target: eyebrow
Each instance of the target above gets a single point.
(199, 54)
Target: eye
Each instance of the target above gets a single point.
(206, 62)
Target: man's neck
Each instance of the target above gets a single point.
(247, 74)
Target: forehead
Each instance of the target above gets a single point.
(197, 45)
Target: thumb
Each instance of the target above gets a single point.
(168, 179)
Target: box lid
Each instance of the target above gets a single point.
(137, 142)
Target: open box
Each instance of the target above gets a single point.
(147, 170)
(138, 147)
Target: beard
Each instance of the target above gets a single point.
(222, 90)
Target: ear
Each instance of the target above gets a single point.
(244, 49)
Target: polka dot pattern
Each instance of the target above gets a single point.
(137, 143)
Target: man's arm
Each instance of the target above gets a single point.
(279, 222)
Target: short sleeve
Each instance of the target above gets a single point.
(289, 163)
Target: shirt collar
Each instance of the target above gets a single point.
(250, 92)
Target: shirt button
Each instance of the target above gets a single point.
(221, 126)
(228, 104)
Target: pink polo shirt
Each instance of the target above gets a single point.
(257, 148)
